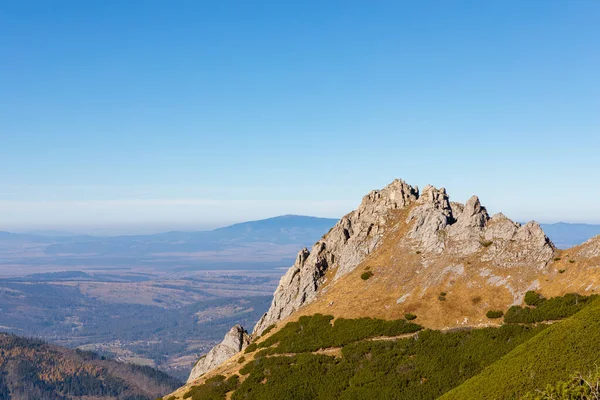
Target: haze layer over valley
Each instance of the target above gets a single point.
(158, 300)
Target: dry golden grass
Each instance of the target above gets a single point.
(580, 271)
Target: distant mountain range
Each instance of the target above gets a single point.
(283, 230)
(266, 243)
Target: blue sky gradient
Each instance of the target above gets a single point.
(151, 115)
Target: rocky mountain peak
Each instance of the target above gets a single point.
(436, 228)
(396, 195)
(346, 245)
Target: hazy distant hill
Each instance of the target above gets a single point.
(32, 370)
(266, 243)
(567, 235)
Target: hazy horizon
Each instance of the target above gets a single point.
(149, 229)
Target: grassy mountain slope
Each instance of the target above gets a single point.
(555, 354)
(366, 358)
(359, 359)
(403, 253)
(31, 370)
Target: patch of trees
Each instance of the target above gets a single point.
(420, 367)
(539, 309)
(214, 388)
(311, 333)
(32, 369)
(493, 314)
(579, 387)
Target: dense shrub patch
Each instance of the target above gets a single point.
(420, 367)
(268, 329)
(426, 365)
(579, 387)
(533, 298)
(213, 389)
(251, 347)
(547, 309)
(366, 275)
(410, 317)
(311, 333)
(492, 314)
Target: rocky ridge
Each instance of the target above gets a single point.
(436, 227)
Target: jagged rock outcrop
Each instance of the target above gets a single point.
(354, 237)
(440, 226)
(431, 215)
(235, 341)
(512, 245)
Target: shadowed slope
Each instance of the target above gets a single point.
(553, 355)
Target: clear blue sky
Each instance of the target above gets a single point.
(142, 115)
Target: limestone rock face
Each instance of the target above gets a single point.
(235, 341)
(512, 245)
(429, 218)
(354, 237)
(473, 217)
